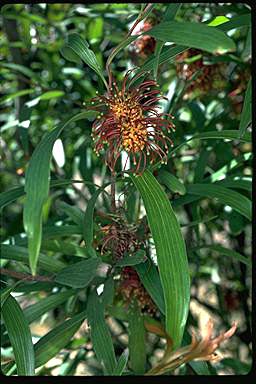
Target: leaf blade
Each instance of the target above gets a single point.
(171, 254)
(194, 35)
(20, 337)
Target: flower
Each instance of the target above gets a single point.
(203, 349)
(129, 121)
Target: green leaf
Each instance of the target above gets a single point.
(137, 347)
(121, 363)
(55, 340)
(75, 213)
(14, 252)
(171, 254)
(100, 335)
(171, 182)
(34, 311)
(167, 55)
(195, 35)
(136, 258)
(13, 96)
(5, 292)
(218, 20)
(45, 96)
(238, 183)
(246, 116)
(236, 22)
(37, 188)
(80, 48)
(88, 222)
(20, 337)
(226, 134)
(78, 275)
(150, 279)
(13, 194)
(226, 252)
(227, 196)
(169, 15)
(64, 247)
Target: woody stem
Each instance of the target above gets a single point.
(113, 192)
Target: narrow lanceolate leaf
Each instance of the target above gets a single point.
(134, 259)
(171, 182)
(226, 134)
(227, 252)
(34, 311)
(121, 363)
(227, 196)
(37, 188)
(75, 213)
(88, 219)
(171, 254)
(236, 22)
(78, 275)
(246, 116)
(77, 46)
(169, 15)
(137, 347)
(100, 335)
(194, 35)
(5, 292)
(14, 252)
(20, 337)
(55, 340)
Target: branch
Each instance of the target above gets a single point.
(24, 276)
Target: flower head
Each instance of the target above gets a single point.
(129, 121)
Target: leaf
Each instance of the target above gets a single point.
(236, 22)
(13, 96)
(45, 96)
(88, 222)
(137, 347)
(100, 335)
(226, 134)
(227, 196)
(75, 213)
(194, 35)
(121, 363)
(78, 275)
(226, 252)
(108, 292)
(150, 279)
(167, 54)
(169, 14)
(238, 183)
(20, 337)
(64, 247)
(37, 188)
(5, 292)
(134, 259)
(171, 254)
(218, 20)
(55, 340)
(14, 252)
(34, 311)
(79, 47)
(13, 194)
(246, 116)
(171, 182)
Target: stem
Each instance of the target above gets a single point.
(113, 192)
(141, 16)
(24, 276)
